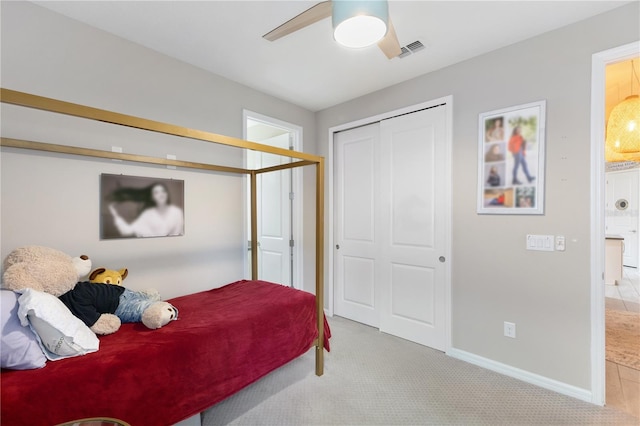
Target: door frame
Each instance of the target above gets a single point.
(599, 62)
(447, 102)
(297, 275)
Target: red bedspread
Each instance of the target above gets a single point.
(224, 340)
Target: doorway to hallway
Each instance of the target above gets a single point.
(598, 358)
(279, 198)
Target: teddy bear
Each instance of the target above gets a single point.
(143, 300)
(42, 269)
(102, 307)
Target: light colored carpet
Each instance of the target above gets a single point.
(373, 378)
(623, 338)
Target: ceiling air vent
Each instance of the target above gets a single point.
(405, 52)
(410, 48)
(415, 46)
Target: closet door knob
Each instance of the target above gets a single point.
(337, 246)
(442, 259)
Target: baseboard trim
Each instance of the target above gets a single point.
(525, 376)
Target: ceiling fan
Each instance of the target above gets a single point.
(374, 13)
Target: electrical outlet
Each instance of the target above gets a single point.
(509, 329)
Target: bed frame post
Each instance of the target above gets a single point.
(254, 226)
(320, 266)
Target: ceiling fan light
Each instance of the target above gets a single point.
(359, 24)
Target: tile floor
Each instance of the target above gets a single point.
(627, 291)
(623, 383)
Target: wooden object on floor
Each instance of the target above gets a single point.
(613, 259)
(623, 338)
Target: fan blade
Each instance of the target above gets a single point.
(390, 45)
(310, 16)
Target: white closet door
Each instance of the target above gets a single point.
(274, 216)
(413, 234)
(391, 226)
(355, 203)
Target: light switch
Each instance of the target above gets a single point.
(540, 242)
(560, 243)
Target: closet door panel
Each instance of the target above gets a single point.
(356, 251)
(413, 227)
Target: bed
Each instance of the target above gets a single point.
(224, 340)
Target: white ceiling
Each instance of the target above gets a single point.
(308, 68)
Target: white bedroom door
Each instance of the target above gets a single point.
(274, 214)
(355, 203)
(391, 225)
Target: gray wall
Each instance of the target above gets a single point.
(53, 200)
(494, 279)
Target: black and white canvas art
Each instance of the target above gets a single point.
(140, 207)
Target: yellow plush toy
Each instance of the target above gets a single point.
(108, 276)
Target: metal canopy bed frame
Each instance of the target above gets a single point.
(298, 159)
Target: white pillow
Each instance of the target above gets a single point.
(19, 348)
(59, 332)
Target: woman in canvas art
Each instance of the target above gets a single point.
(494, 154)
(158, 217)
(495, 132)
(518, 147)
